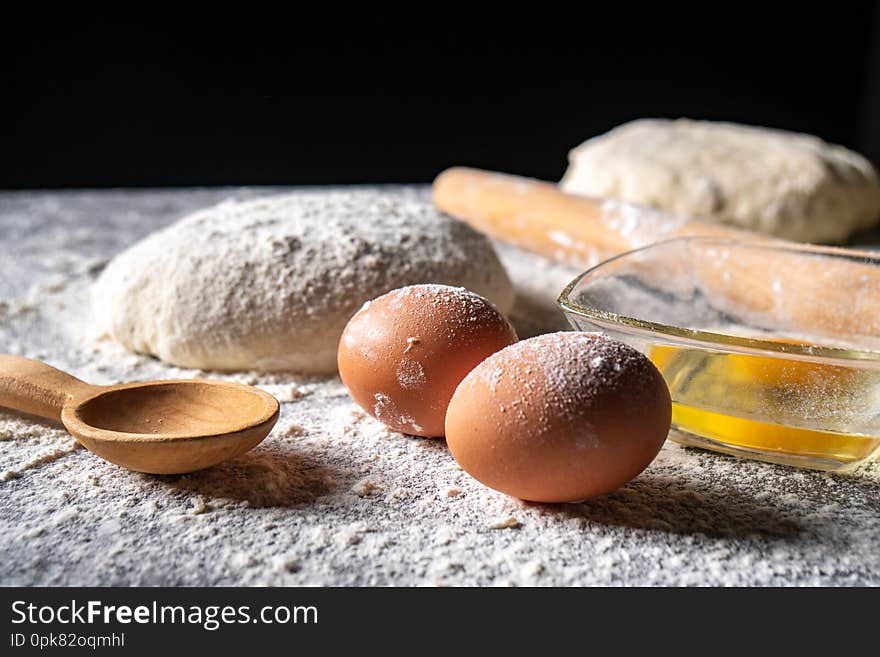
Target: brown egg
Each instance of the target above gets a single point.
(402, 355)
(559, 418)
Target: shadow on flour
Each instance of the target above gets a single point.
(263, 477)
(34, 422)
(659, 503)
(535, 314)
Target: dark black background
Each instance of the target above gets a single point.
(247, 95)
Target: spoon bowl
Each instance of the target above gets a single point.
(158, 427)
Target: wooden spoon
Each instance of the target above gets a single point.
(160, 427)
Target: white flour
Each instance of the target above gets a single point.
(332, 497)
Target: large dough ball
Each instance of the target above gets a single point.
(269, 284)
(785, 184)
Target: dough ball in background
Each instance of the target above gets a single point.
(269, 284)
(402, 355)
(559, 418)
(785, 184)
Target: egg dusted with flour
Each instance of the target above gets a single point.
(559, 418)
(402, 355)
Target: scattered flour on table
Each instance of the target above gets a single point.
(332, 497)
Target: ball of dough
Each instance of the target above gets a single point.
(402, 355)
(269, 284)
(790, 185)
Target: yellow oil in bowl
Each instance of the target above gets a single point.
(781, 409)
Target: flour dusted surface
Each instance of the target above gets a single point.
(333, 498)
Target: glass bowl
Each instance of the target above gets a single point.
(771, 351)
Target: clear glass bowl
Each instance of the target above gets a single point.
(770, 351)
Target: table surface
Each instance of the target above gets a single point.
(333, 498)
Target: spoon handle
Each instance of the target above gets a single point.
(36, 388)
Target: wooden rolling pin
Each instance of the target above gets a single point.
(540, 217)
(832, 297)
